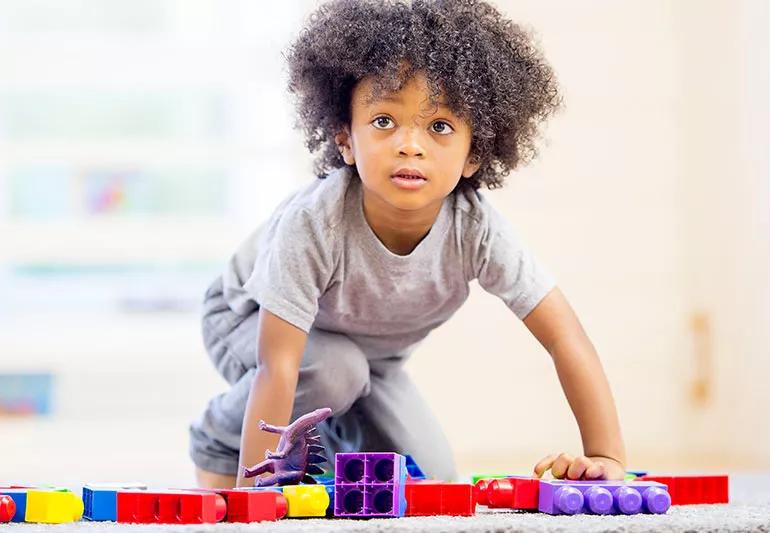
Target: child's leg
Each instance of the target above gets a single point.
(211, 480)
(334, 373)
(395, 417)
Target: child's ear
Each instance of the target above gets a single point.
(472, 164)
(345, 145)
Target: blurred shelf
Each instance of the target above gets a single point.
(120, 239)
(147, 152)
(101, 341)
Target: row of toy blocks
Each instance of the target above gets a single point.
(134, 504)
(43, 506)
(603, 497)
(428, 498)
(369, 484)
(515, 492)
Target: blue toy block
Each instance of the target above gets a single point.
(274, 488)
(100, 504)
(330, 492)
(100, 500)
(414, 471)
(602, 497)
(369, 485)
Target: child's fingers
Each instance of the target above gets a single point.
(561, 464)
(578, 467)
(596, 471)
(544, 464)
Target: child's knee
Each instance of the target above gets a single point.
(335, 380)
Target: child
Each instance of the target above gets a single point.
(414, 107)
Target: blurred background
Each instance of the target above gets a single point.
(141, 141)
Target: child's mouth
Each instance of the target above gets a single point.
(406, 181)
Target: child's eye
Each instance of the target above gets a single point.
(444, 129)
(378, 123)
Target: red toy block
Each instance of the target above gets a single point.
(689, 490)
(480, 491)
(7, 508)
(428, 499)
(244, 505)
(513, 493)
(143, 507)
(254, 506)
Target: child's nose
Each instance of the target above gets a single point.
(410, 143)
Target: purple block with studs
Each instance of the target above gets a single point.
(369, 485)
(603, 497)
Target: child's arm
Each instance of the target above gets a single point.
(280, 346)
(554, 324)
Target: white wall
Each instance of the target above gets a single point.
(601, 208)
(651, 206)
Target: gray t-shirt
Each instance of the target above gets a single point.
(317, 263)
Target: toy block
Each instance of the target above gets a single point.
(689, 490)
(480, 491)
(430, 499)
(100, 500)
(602, 497)
(513, 493)
(52, 507)
(19, 497)
(270, 488)
(369, 484)
(412, 470)
(330, 492)
(306, 500)
(254, 506)
(7, 508)
(170, 507)
(475, 478)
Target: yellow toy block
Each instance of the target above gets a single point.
(306, 500)
(53, 507)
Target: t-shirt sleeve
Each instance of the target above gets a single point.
(293, 270)
(506, 267)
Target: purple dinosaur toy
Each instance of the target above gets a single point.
(297, 455)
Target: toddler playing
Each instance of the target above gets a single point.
(413, 108)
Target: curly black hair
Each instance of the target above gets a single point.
(488, 69)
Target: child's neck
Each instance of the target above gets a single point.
(400, 231)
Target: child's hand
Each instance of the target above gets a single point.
(566, 466)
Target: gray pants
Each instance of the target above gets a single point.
(375, 405)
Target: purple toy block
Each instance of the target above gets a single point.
(603, 497)
(369, 485)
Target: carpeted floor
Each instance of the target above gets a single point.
(749, 511)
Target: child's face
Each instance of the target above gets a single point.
(403, 130)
